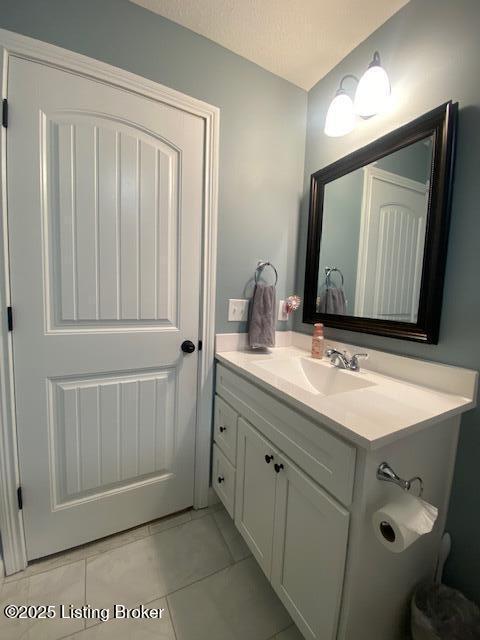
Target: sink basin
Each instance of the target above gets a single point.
(317, 377)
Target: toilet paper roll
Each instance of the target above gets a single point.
(399, 523)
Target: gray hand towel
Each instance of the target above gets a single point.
(332, 301)
(261, 329)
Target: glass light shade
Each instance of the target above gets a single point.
(373, 92)
(340, 118)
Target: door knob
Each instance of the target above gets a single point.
(220, 479)
(222, 429)
(278, 467)
(188, 346)
(268, 459)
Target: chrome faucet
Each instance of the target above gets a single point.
(342, 361)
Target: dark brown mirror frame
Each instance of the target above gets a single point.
(441, 124)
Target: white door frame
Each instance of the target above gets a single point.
(370, 173)
(12, 44)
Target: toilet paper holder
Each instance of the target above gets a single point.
(385, 473)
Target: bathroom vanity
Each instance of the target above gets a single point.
(297, 445)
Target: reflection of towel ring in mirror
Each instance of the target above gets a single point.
(328, 271)
(261, 266)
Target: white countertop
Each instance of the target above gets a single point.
(372, 416)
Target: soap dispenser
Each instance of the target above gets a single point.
(318, 341)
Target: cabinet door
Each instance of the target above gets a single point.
(223, 479)
(309, 549)
(225, 428)
(255, 493)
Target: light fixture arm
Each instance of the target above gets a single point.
(348, 76)
(375, 61)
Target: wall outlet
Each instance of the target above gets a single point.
(238, 310)
(282, 313)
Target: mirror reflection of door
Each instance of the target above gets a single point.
(373, 237)
(391, 244)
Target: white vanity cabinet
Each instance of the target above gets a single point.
(297, 533)
(298, 444)
(295, 529)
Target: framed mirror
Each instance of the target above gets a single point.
(378, 232)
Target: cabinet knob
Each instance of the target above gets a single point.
(222, 429)
(278, 467)
(268, 459)
(220, 479)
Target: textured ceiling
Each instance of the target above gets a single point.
(299, 40)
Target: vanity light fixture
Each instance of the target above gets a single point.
(371, 97)
(373, 91)
(340, 118)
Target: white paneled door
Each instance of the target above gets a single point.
(391, 247)
(105, 199)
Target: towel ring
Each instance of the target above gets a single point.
(328, 271)
(261, 266)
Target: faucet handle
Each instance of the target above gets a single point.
(331, 352)
(354, 366)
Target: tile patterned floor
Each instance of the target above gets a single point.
(193, 565)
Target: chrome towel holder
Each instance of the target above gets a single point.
(328, 272)
(261, 266)
(385, 473)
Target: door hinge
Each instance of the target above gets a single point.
(5, 113)
(10, 318)
(20, 498)
(200, 345)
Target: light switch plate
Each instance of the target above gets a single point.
(238, 310)
(282, 314)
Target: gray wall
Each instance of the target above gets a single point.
(431, 51)
(412, 162)
(262, 122)
(342, 209)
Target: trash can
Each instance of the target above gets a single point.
(441, 613)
